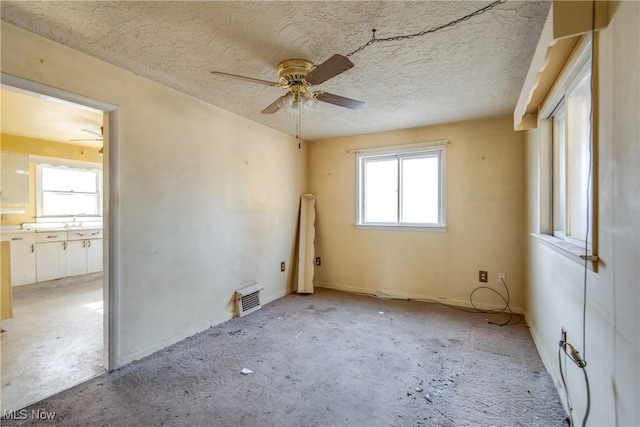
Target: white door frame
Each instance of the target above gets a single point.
(111, 211)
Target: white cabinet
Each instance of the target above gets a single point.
(23, 257)
(14, 178)
(94, 255)
(76, 257)
(51, 251)
(49, 255)
(84, 252)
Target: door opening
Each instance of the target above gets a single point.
(58, 238)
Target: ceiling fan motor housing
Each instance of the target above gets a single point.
(293, 71)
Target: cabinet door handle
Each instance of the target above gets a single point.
(84, 243)
(89, 242)
(52, 237)
(33, 248)
(64, 246)
(17, 238)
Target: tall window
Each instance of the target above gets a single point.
(571, 174)
(401, 187)
(64, 191)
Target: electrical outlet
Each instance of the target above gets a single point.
(282, 266)
(563, 335)
(502, 278)
(483, 276)
(318, 261)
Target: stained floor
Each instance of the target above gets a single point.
(53, 342)
(328, 359)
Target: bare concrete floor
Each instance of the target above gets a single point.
(53, 342)
(327, 359)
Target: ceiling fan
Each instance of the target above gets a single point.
(298, 76)
(99, 137)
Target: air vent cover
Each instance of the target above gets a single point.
(248, 299)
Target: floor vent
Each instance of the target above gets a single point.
(248, 299)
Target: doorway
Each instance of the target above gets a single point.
(60, 334)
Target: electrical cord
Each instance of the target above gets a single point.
(476, 310)
(573, 355)
(425, 32)
(507, 306)
(564, 384)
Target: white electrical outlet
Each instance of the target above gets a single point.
(502, 278)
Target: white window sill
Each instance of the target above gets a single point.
(400, 228)
(569, 250)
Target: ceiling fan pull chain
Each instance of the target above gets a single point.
(298, 122)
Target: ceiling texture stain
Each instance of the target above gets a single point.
(470, 71)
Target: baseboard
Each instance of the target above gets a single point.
(412, 296)
(549, 362)
(172, 340)
(71, 280)
(188, 332)
(277, 295)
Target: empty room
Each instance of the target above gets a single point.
(322, 213)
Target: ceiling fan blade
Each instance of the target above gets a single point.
(333, 66)
(99, 135)
(273, 108)
(248, 79)
(340, 100)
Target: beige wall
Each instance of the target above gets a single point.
(484, 215)
(207, 201)
(39, 147)
(555, 283)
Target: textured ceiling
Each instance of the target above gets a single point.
(43, 118)
(473, 70)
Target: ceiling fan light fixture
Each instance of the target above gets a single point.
(308, 102)
(285, 102)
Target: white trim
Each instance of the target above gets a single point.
(49, 93)
(40, 217)
(576, 68)
(400, 227)
(137, 355)
(550, 362)
(412, 296)
(56, 161)
(566, 248)
(111, 211)
(191, 332)
(578, 60)
(433, 148)
(405, 148)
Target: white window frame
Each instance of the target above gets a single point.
(425, 149)
(558, 236)
(68, 164)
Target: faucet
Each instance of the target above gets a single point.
(74, 219)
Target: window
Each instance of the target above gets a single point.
(571, 161)
(65, 191)
(568, 138)
(401, 186)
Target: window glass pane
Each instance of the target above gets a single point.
(420, 190)
(578, 111)
(559, 173)
(381, 190)
(71, 180)
(69, 204)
